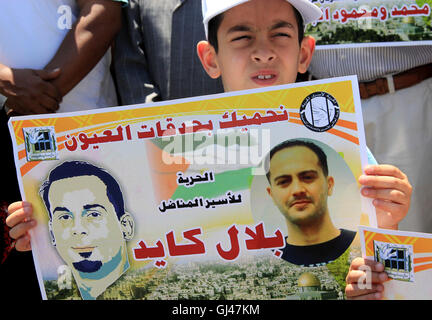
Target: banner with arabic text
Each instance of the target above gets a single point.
(353, 23)
(243, 195)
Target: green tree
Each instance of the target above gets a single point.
(339, 269)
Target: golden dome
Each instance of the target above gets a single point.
(308, 279)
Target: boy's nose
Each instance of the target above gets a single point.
(263, 54)
(263, 57)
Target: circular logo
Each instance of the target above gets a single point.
(319, 112)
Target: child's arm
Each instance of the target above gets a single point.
(20, 220)
(391, 191)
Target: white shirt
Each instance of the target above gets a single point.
(31, 32)
(368, 63)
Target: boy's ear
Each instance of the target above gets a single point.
(307, 48)
(207, 56)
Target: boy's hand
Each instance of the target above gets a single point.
(364, 280)
(391, 191)
(20, 220)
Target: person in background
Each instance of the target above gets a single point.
(54, 57)
(155, 53)
(396, 96)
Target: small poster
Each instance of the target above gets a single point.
(242, 195)
(407, 259)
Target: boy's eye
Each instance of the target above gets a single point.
(282, 34)
(242, 37)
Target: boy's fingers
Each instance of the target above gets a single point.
(18, 205)
(385, 182)
(393, 195)
(370, 296)
(362, 264)
(392, 207)
(354, 292)
(353, 289)
(18, 216)
(364, 270)
(21, 229)
(356, 276)
(385, 170)
(23, 244)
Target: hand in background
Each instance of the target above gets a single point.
(30, 91)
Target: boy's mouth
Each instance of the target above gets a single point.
(264, 78)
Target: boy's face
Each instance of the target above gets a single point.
(258, 46)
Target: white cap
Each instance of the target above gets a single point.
(212, 8)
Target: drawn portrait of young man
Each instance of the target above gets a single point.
(88, 224)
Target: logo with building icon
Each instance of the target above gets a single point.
(40, 143)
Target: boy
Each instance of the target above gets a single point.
(252, 44)
(259, 43)
(256, 43)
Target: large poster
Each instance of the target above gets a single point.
(243, 195)
(352, 23)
